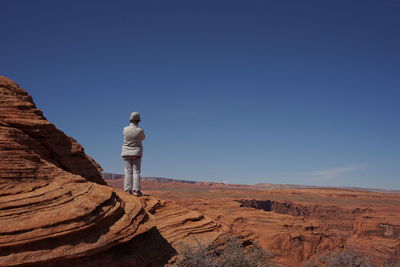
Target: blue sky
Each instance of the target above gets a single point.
(301, 92)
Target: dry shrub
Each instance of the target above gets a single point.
(232, 254)
(197, 255)
(348, 257)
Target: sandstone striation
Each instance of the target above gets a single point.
(27, 135)
(55, 209)
(182, 226)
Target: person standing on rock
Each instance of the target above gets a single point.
(132, 151)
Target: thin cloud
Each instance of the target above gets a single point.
(318, 175)
(333, 173)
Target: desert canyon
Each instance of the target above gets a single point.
(295, 224)
(56, 209)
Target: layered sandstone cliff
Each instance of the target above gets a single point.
(55, 209)
(26, 137)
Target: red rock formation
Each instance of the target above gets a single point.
(50, 212)
(180, 225)
(26, 134)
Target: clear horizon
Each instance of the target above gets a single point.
(241, 92)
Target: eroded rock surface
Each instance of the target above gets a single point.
(182, 226)
(55, 209)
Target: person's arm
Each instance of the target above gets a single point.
(143, 135)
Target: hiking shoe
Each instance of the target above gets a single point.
(137, 193)
(128, 191)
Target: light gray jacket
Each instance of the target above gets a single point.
(133, 137)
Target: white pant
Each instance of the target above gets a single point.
(132, 172)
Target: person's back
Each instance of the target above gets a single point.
(132, 151)
(133, 137)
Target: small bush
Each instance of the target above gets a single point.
(232, 254)
(346, 258)
(197, 255)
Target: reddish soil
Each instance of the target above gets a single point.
(295, 224)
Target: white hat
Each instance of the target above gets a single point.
(135, 116)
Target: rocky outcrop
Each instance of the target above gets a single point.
(71, 218)
(54, 207)
(181, 226)
(27, 139)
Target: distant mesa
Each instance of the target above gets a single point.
(260, 186)
(107, 175)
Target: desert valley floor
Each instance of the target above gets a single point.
(294, 224)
